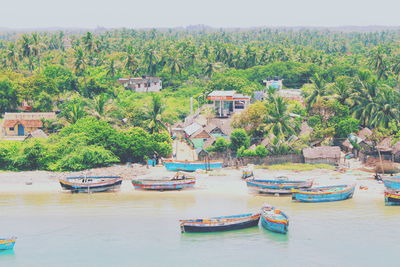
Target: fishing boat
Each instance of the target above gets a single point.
(274, 220)
(91, 184)
(217, 224)
(392, 182)
(324, 194)
(7, 243)
(392, 197)
(281, 185)
(179, 181)
(191, 166)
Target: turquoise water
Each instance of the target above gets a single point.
(141, 229)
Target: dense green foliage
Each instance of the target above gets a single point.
(349, 80)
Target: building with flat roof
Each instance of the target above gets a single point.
(228, 102)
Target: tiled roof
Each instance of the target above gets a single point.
(25, 123)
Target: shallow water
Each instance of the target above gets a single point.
(134, 228)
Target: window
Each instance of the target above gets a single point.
(138, 86)
(145, 85)
(11, 128)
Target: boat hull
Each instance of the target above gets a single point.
(191, 166)
(392, 198)
(220, 224)
(311, 196)
(276, 186)
(91, 188)
(7, 244)
(162, 187)
(277, 227)
(392, 183)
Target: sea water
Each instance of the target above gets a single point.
(136, 228)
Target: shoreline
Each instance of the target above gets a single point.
(221, 181)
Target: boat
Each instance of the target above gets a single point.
(274, 219)
(392, 197)
(179, 181)
(7, 243)
(191, 166)
(324, 193)
(391, 182)
(91, 184)
(217, 224)
(281, 185)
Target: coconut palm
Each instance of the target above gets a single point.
(318, 92)
(278, 119)
(154, 113)
(386, 108)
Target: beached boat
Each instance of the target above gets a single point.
(91, 184)
(392, 182)
(191, 166)
(7, 243)
(279, 186)
(217, 224)
(274, 220)
(179, 181)
(323, 194)
(392, 197)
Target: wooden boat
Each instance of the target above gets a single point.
(324, 194)
(274, 220)
(191, 166)
(392, 182)
(217, 224)
(91, 184)
(392, 197)
(279, 186)
(179, 181)
(7, 243)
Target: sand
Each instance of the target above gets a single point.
(223, 181)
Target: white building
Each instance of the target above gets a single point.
(144, 84)
(274, 83)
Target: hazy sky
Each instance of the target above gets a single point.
(218, 13)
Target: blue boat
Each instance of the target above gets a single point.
(218, 224)
(178, 182)
(191, 166)
(274, 220)
(324, 194)
(392, 197)
(91, 184)
(392, 182)
(7, 243)
(279, 186)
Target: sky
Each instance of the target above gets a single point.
(216, 13)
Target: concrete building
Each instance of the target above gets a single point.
(227, 103)
(143, 85)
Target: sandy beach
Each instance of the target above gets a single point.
(223, 181)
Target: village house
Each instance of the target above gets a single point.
(24, 123)
(322, 154)
(142, 84)
(275, 83)
(227, 103)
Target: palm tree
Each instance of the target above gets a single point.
(318, 92)
(36, 46)
(111, 70)
(386, 108)
(151, 59)
(26, 45)
(80, 61)
(342, 91)
(100, 104)
(131, 63)
(12, 56)
(175, 64)
(155, 111)
(76, 113)
(278, 119)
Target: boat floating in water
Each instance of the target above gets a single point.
(91, 184)
(179, 181)
(392, 197)
(324, 194)
(217, 224)
(279, 186)
(274, 220)
(191, 166)
(392, 182)
(7, 243)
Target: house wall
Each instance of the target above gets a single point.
(154, 87)
(14, 132)
(330, 161)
